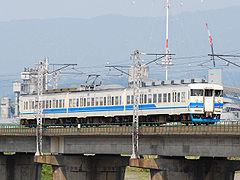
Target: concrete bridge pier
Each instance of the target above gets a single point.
(20, 166)
(79, 167)
(172, 168)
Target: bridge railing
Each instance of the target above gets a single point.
(149, 128)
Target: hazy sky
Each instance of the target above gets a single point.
(43, 9)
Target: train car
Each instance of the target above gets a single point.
(198, 102)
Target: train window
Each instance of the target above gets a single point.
(116, 100)
(149, 98)
(169, 97)
(109, 100)
(178, 97)
(104, 101)
(84, 102)
(132, 99)
(165, 97)
(120, 100)
(46, 104)
(96, 101)
(77, 103)
(218, 93)
(63, 103)
(50, 104)
(43, 104)
(74, 102)
(208, 92)
(145, 99)
(112, 100)
(101, 101)
(60, 104)
(196, 92)
(92, 101)
(154, 98)
(56, 103)
(70, 102)
(159, 98)
(81, 102)
(174, 97)
(183, 97)
(88, 101)
(141, 98)
(128, 99)
(27, 105)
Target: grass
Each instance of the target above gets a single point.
(137, 174)
(133, 169)
(47, 173)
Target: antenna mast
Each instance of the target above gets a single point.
(167, 60)
(211, 44)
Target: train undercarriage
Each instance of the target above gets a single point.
(161, 119)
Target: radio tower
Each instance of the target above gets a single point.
(136, 86)
(167, 60)
(211, 44)
(39, 129)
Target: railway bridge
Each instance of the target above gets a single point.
(100, 151)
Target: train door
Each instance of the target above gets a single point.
(208, 100)
(174, 100)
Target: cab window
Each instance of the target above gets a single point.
(208, 92)
(218, 93)
(196, 92)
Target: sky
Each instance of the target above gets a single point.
(45, 9)
(13, 10)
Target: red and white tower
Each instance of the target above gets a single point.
(167, 60)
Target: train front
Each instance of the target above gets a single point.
(206, 102)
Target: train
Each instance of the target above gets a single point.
(192, 102)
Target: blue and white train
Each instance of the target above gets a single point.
(200, 102)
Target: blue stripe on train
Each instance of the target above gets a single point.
(196, 105)
(200, 105)
(218, 105)
(118, 108)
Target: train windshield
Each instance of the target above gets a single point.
(208, 92)
(218, 93)
(196, 92)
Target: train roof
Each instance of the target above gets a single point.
(110, 88)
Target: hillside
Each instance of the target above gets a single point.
(91, 43)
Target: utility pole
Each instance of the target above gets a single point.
(55, 80)
(136, 86)
(46, 68)
(39, 129)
